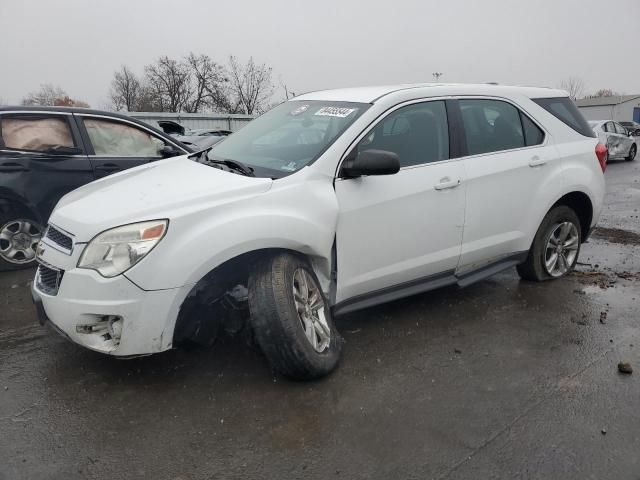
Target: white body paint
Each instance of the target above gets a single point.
(388, 230)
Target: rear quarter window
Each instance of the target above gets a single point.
(566, 111)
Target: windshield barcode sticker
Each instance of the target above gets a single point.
(334, 112)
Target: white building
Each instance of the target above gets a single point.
(622, 108)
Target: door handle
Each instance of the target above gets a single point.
(108, 167)
(447, 183)
(12, 167)
(536, 161)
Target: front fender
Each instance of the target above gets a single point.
(300, 216)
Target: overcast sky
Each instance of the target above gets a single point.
(77, 44)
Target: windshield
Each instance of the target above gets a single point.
(289, 136)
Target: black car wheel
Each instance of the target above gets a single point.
(555, 248)
(632, 153)
(19, 237)
(291, 318)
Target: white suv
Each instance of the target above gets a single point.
(331, 202)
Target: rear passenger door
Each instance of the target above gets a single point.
(115, 145)
(509, 166)
(624, 139)
(41, 158)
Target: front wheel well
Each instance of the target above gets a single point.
(580, 203)
(219, 299)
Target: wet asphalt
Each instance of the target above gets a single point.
(503, 379)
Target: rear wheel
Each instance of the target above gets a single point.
(19, 236)
(291, 318)
(632, 153)
(556, 246)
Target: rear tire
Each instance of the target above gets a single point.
(19, 235)
(632, 153)
(294, 330)
(559, 237)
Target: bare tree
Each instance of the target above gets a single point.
(65, 101)
(208, 84)
(46, 96)
(250, 85)
(574, 86)
(126, 90)
(287, 92)
(606, 92)
(168, 83)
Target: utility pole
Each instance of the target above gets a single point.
(437, 75)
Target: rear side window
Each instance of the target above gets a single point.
(566, 111)
(417, 133)
(38, 134)
(491, 126)
(620, 129)
(532, 133)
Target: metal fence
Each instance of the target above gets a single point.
(222, 121)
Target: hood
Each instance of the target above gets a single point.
(156, 190)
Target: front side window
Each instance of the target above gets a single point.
(493, 126)
(36, 133)
(289, 136)
(117, 139)
(417, 133)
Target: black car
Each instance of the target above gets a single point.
(46, 152)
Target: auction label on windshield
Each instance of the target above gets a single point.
(335, 112)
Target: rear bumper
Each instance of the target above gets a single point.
(111, 316)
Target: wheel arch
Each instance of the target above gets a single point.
(580, 203)
(210, 296)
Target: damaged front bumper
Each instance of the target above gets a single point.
(112, 316)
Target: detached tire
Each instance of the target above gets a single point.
(291, 318)
(555, 248)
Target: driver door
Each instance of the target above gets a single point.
(115, 145)
(401, 234)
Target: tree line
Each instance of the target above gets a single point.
(194, 83)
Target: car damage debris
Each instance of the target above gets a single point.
(625, 367)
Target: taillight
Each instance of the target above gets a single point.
(602, 154)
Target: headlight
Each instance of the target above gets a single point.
(115, 251)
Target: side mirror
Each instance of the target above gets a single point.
(168, 151)
(371, 162)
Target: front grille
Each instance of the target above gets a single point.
(48, 280)
(59, 238)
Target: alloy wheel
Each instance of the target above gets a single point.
(310, 306)
(561, 249)
(18, 241)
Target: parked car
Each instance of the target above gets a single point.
(397, 191)
(46, 152)
(632, 127)
(620, 143)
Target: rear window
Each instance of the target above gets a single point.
(566, 111)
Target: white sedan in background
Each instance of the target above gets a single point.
(620, 145)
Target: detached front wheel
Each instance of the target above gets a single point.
(291, 318)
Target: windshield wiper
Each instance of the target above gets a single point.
(234, 165)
